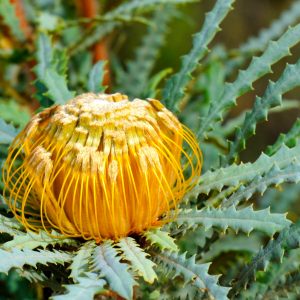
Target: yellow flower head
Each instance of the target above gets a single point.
(100, 167)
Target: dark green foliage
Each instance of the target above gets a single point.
(236, 234)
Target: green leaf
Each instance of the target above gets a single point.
(134, 81)
(8, 14)
(277, 28)
(275, 176)
(106, 260)
(193, 273)
(86, 288)
(289, 80)
(44, 55)
(10, 226)
(127, 11)
(229, 243)
(245, 219)
(290, 139)
(161, 239)
(18, 258)
(96, 75)
(57, 87)
(260, 42)
(51, 69)
(276, 276)
(7, 132)
(151, 89)
(138, 259)
(235, 175)
(80, 260)
(258, 67)
(32, 240)
(288, 239)
(175, 86)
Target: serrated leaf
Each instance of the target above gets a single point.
(235, 175)
(276, 276)
(245, 219)
(57, 87)
(175, 86)
(81, 260)
(8, 13)
(18, 258)
(276, 29)
(288, 239)
(51, 69)
(106, 261)
(31, 240)
(134, 80)
(7, 132)
(258, 67)
(272, 97)
(290, 139)
(193, 273)
(86, 288)
(161, 239)
(96, 75)
(138, 259)
(10, 226)
(229, 243)
(275, 176)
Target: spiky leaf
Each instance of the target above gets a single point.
(277, 28)
(258, 67)
(193, 273)
(48, 74)
(81, 260)
(275, 176)
(57, 87)
(138, 259)
(10, 226)
(18, 258)
(289, 80)
(175, 86)
(245, 219)
(290, 139)
(32, 240)
(106, 261)
(136, 77)
(86, 288)
(161, 239)
(229, 243)
(289, 238)
(235, 175)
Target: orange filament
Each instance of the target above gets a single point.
(100, 167)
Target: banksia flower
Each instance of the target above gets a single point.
(100, 167)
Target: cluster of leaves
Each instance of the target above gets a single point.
(233, 222)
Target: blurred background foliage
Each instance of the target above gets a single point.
(16, 93)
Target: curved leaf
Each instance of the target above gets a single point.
(138, 259)
(106, 260)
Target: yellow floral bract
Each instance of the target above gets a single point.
(100, 167)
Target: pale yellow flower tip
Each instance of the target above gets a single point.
(100, 167)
